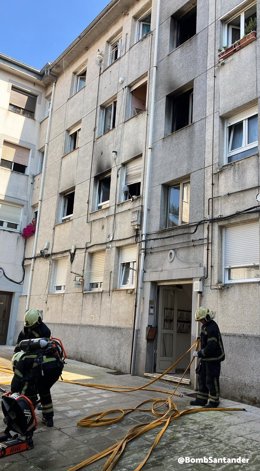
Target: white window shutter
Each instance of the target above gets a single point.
(133, 171)
(61, 272)
(128, 254)
(10, 213)
(97, 267)
(242, 245)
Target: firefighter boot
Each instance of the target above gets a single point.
(198, 402)
(47, 420)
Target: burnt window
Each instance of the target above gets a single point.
(179, 110)
(183, 27)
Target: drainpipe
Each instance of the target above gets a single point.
(40, 199)
(146, 194)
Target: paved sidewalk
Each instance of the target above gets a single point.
(211, 435)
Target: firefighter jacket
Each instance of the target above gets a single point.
(212, 348)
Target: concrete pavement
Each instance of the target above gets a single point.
(207, 440)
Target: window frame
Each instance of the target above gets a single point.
(65, 205)
(125, 194)
(58, 288)
(72, 139)
(174, 107)
(227, 25)
(139, 25)
(23, 111)
(7, 224)
(181, 221)
(79, 84)
(128, 262)
(132, 110)
(99, 202)
(104, 109)
(227, 268)
(243, 117)
(114, 49)
(19, 157)
(89, 273)
(175, 27)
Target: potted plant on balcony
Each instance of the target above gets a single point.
(250, 36)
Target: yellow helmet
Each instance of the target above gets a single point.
(31, 317)
(203, 313)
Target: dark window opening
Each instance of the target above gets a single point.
(133, 190)
(183, 27)
(181, 110)
(103, 191)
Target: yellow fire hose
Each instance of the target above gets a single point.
(113, 416)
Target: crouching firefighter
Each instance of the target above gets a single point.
(211, 355)
(37, 366)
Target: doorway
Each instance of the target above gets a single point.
(5, 309)
(174, 326)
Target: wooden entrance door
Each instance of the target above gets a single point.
(5, 307)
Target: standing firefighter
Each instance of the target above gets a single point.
(210, 355)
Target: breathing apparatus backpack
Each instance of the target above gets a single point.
(52, 347)
(19, 415)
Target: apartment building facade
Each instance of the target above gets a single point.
(81, 269)
(21, 108)
(148, 202)
(203, 235)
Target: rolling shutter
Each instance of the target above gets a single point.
(242, 245)
(60, 274)
(97, 267)
(128, 254)
(133, 171)
(10, 213)
(15, 153)
(23, 100)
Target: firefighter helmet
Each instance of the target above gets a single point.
(203, 313)
(32, 316)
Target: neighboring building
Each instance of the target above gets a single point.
(21, 108)
(148, 202)
(203, 231)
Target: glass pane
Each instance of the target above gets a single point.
(244, 273)
(108, 118)
(168, 319)
(125, 279)
(173, 206)
(167, 345)
(235, 136)
(185, 202)
(252, 129)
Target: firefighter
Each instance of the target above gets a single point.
(34, 327)
(36, 368)
(211, 355)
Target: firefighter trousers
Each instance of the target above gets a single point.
(208, 381)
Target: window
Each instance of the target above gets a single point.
(132, 174)
(179, 110)
(22, 102)
(178, 204)
(127, 269)
(14, 157)
(67, 205)
(242, 135)
(241, 253)
(80, 81)
(239, 26)
(10, 216)
(59, 275)
(143, 26)
(96, 273)
(137, 98)
(107, 117)
(72, 139)
(114, 51)
(103, 190)
(183, 26)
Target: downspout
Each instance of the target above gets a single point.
(40, 198)
(146, 194)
